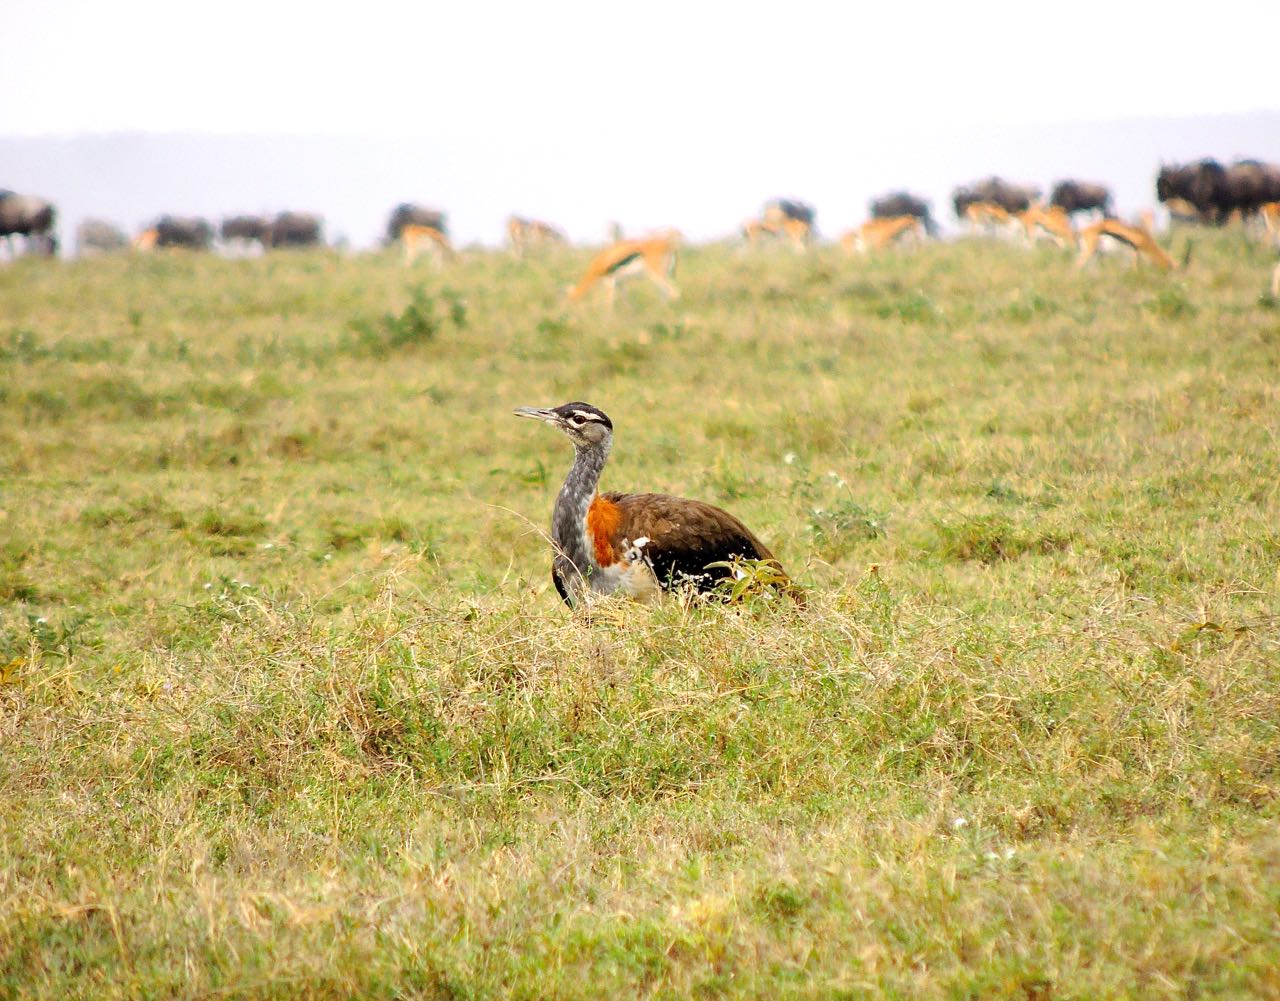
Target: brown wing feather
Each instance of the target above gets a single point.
(684, 537)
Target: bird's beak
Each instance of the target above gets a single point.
(538, 414)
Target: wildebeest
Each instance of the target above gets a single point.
(97, 236)
(1217, 191)
(961, 198)
(419, 215)
(903, 203)
(1252, 184)
(30, 217)
(1202, 184)
(190, 232)
(294, 229)
(247, 228)
(1081, 196)
(1012, 198)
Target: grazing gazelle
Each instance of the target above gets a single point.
(783, 219)
(988, 217)
(145, 242)
(1140, 240)
(876, 234)
(1052, 219)
(654, 258)
(527, 234)
(1270, 213)
(416, 239)
(796, 232)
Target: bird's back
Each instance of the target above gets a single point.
(679, 538)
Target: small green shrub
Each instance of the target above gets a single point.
(415, 326)
(915, 307)
(1172, 304)
(992, 538)
(839, 529)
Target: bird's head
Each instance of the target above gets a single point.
(586, 426)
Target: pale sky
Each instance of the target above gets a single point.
(624, 104)
(643, 69)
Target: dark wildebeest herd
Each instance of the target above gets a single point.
(1205, 192)
(903, 203)
(1209, 192)
(1012, 198)
(406, 214)
(31, 218)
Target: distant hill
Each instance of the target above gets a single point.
(706, 191)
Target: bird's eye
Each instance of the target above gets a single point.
(577, 420)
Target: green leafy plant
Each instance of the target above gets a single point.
(750, 578)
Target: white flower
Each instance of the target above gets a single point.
(789, 458)
(959, 822)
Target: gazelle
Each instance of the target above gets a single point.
(1140, 240)
(527, 234)
(797, 232)
(876, 234)
(416, 239)
(1052, 219)
(654, 258)
(1181, 211)
(1270, 213)
(145, 242)
(988, 217)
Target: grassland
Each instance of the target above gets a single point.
(289, 708)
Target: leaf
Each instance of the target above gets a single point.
(9, 671)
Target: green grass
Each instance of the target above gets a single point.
(290, 709)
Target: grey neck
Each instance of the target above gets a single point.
(570, 515)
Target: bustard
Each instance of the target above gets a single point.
(634, 544)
